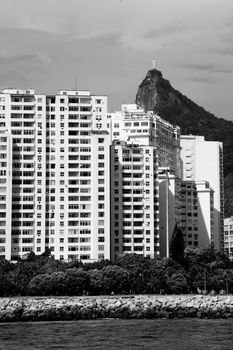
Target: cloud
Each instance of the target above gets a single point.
(207, 67)
(224, 51)
(170, 29)
(199, 66)
(109, 45)
(16, 58)
(8, 58)
(204, 80)
(103, 38)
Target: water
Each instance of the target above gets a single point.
(109, 334)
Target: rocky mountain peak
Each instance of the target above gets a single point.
(150, 91)
(157, 94)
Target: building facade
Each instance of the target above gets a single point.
(169, 207)
(90, 185)
(203, 161)
(197, 213)
(228, 236)
(134, 200)
(59, 197)
(143, 146)
(5, 192)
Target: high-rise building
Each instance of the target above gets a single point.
(143, 146)
(228, 236)
(203, 161)
(197, 213)
(5, 192)
(90, 185)
(134, 124)
(59, 165)
(134, 200)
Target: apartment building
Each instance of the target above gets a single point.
(90, 185)
(203, 161)
(60, 174)
(197, 213)
(5, 191)
(134, 124)
(228, 236)
(134, 200)
(142, 145)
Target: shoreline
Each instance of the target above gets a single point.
(21, 309)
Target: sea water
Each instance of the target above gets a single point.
(110, 334)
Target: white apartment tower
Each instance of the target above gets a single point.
(142, 144)
(134, 200)
(60, 174)
(5, 190)
(203, 161)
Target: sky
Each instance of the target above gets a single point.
(107, 47)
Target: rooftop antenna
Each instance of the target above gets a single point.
(76, 83)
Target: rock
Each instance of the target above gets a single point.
(101, 307)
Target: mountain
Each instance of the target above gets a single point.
(156, 94)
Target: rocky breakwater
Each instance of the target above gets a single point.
(146, 306)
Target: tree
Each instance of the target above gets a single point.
(130, 261)
(177, 283)
(7, 286)
(138, 267)
(115, 279)
(99, 265)
(76, 281)
(52, 266)
(40, 285)
(96, 281)
(177, 245)
(22, 274)
(57, 283)
(157, 278)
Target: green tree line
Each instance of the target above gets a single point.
(197, 270)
